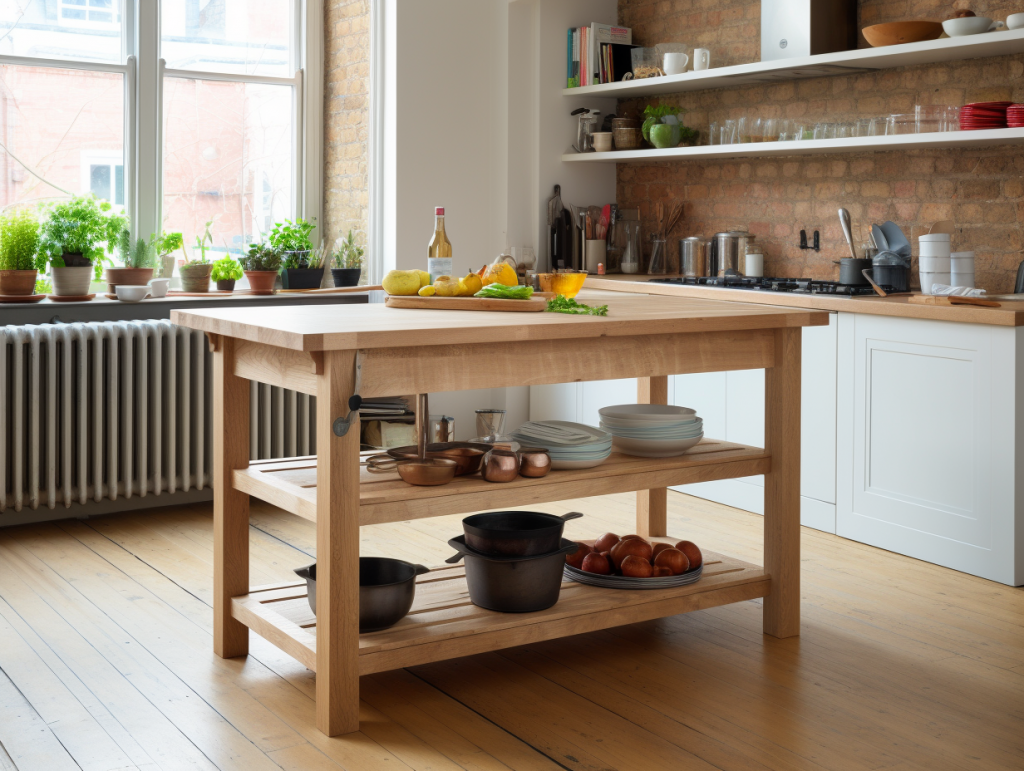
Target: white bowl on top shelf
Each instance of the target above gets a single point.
(657, 413)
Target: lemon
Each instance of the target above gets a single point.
(426, 291)
(501, 273)
(424, 278)
(446, 286)
(470, 285)
(401, 282)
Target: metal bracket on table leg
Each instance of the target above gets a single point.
(342, 425)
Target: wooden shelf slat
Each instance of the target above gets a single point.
(444, 624)
(291, 484)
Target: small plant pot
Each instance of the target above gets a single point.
(261, 280)
(226, 285)
(71, 282)
(196, 278)
(18, 282)
(127, 276)
(303, 278)
(346, 276)
(166, 269)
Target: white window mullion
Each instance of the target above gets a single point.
(147, 199)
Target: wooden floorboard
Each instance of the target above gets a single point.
(106, 662)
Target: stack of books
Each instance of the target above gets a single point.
(599, 53)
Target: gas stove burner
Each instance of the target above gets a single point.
(767, 284)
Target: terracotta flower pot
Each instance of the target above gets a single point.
(261, 280)
(71, 282)
(127, 277)
(17, 282)
(196, 277)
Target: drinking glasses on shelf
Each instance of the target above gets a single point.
(844, 130)
(825, 131)
(770, 129)
(901, 123)
(742, 131)
(727, 135)
(713, 137)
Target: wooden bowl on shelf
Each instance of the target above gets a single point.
(896, 32)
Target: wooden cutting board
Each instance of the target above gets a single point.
(929, 299)
(534, 304)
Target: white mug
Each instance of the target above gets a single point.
(675, 63)
(1015, 20)
(701, 59)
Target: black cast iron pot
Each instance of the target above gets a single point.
(513, 584)
(515, 533)
(387, 588)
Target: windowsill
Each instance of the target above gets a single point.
(101, 308)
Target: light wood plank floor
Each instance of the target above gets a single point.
(106, 663)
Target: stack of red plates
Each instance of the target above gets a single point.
(984, 115)
(1015, 116)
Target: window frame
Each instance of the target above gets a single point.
(144, 72)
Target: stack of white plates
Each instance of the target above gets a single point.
(652, 430)
(570, 445)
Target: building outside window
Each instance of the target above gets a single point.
(228, 111)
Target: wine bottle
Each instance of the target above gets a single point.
(439, 251)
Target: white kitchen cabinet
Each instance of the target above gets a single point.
(734, 411)
(930, 441)
(732, 407)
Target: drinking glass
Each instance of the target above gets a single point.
(952, 122)
(728, 133)
(713, 137)
(901, 123)
(798, 132)
(742, 132)
(770, 130)
(844, 130)
(755, 130)
(825, 131)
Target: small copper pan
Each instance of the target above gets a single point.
(428, 472)
(467, 455)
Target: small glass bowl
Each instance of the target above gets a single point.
(565, 284)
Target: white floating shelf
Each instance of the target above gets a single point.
(968, 139)
(1000, 43)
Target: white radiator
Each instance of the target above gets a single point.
(93, 412)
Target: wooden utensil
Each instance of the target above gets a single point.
(943, 226)
(930, 299)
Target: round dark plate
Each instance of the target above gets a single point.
(622, 582)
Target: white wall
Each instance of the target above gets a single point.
(446, 142)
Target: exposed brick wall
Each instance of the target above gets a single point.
(981, 190)
(347, 118)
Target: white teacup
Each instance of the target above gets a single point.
(158, 287)
(1015, 20)
(675, 63)
(701, 59)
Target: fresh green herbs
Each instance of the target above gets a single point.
(165, 243)
(226, 269)
(502, 292)
(262, 257)
(19, 240)
(138, 254)
(83, 226)
(347, 253)
(291, 236)
(563, 304)
(203, 243)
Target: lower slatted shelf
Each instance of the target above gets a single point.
(444, 624)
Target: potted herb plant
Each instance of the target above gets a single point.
(195, 274)
(139, 259)
(75, 239)
(166, 244)
(19, 242)
(261, 264)
(662, 127)
(347, 261)
(302, 270)
(226, 271)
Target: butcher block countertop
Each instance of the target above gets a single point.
(1010, 314)
(339, 327)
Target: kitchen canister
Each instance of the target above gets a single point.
(694, 256)
(962, 269)
(597, 251)
(754, 261)
(934, 261)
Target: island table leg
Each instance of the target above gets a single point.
(230, 507)
(782, 486)
(337, 551)
(652, 505)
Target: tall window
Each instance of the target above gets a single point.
(229, 88)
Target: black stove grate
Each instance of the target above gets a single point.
(791, 285)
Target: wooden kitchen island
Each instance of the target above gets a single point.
(334, 353)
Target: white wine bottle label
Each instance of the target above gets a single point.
(439, 266)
